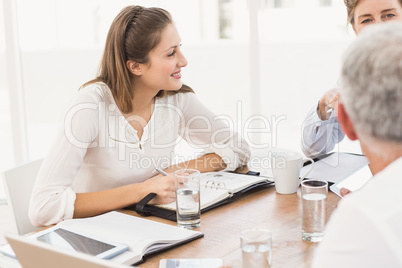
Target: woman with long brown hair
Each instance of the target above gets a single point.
(126, 122)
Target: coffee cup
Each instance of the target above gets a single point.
(286, 166)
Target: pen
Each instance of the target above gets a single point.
(162, 172)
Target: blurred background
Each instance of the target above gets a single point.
(263, 63)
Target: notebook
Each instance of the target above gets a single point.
(143, 237)
(218, 186)
(35, 254)
(216, 189)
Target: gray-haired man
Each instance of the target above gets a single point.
(366, 229)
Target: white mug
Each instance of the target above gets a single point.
(286, 166)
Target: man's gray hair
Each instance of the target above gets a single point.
(372, 82)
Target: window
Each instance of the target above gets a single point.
(325, 3)
(6, 152)
(225, 18)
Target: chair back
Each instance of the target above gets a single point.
(18, 184)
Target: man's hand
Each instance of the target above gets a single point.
(344, 192)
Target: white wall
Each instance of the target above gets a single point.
(300, 57)
(293, 77)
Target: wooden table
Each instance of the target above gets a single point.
(264, 208)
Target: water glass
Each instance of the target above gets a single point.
(188, 198)
(314, 195)
(256, 248)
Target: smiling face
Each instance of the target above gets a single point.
(163, 71)
(374, 11)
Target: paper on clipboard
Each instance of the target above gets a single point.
(341, 170)
(335, 167)
(353, 182)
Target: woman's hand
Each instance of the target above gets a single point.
(164, 187)
(328, 102)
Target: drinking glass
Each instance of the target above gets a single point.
(256, 248)
(188, 198)
(314, 196)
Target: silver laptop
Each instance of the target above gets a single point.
(35, 254)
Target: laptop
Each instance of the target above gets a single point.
(35, 254)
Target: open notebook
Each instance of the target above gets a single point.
(143, 237)
(216, 188)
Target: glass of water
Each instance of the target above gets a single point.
(256, 248)
(188, 198)
(314, 196)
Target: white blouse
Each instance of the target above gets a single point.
(98, 149)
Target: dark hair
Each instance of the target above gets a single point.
(350, 9)
(133, 34)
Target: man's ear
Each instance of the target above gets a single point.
(134, 67)
(346, 123)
